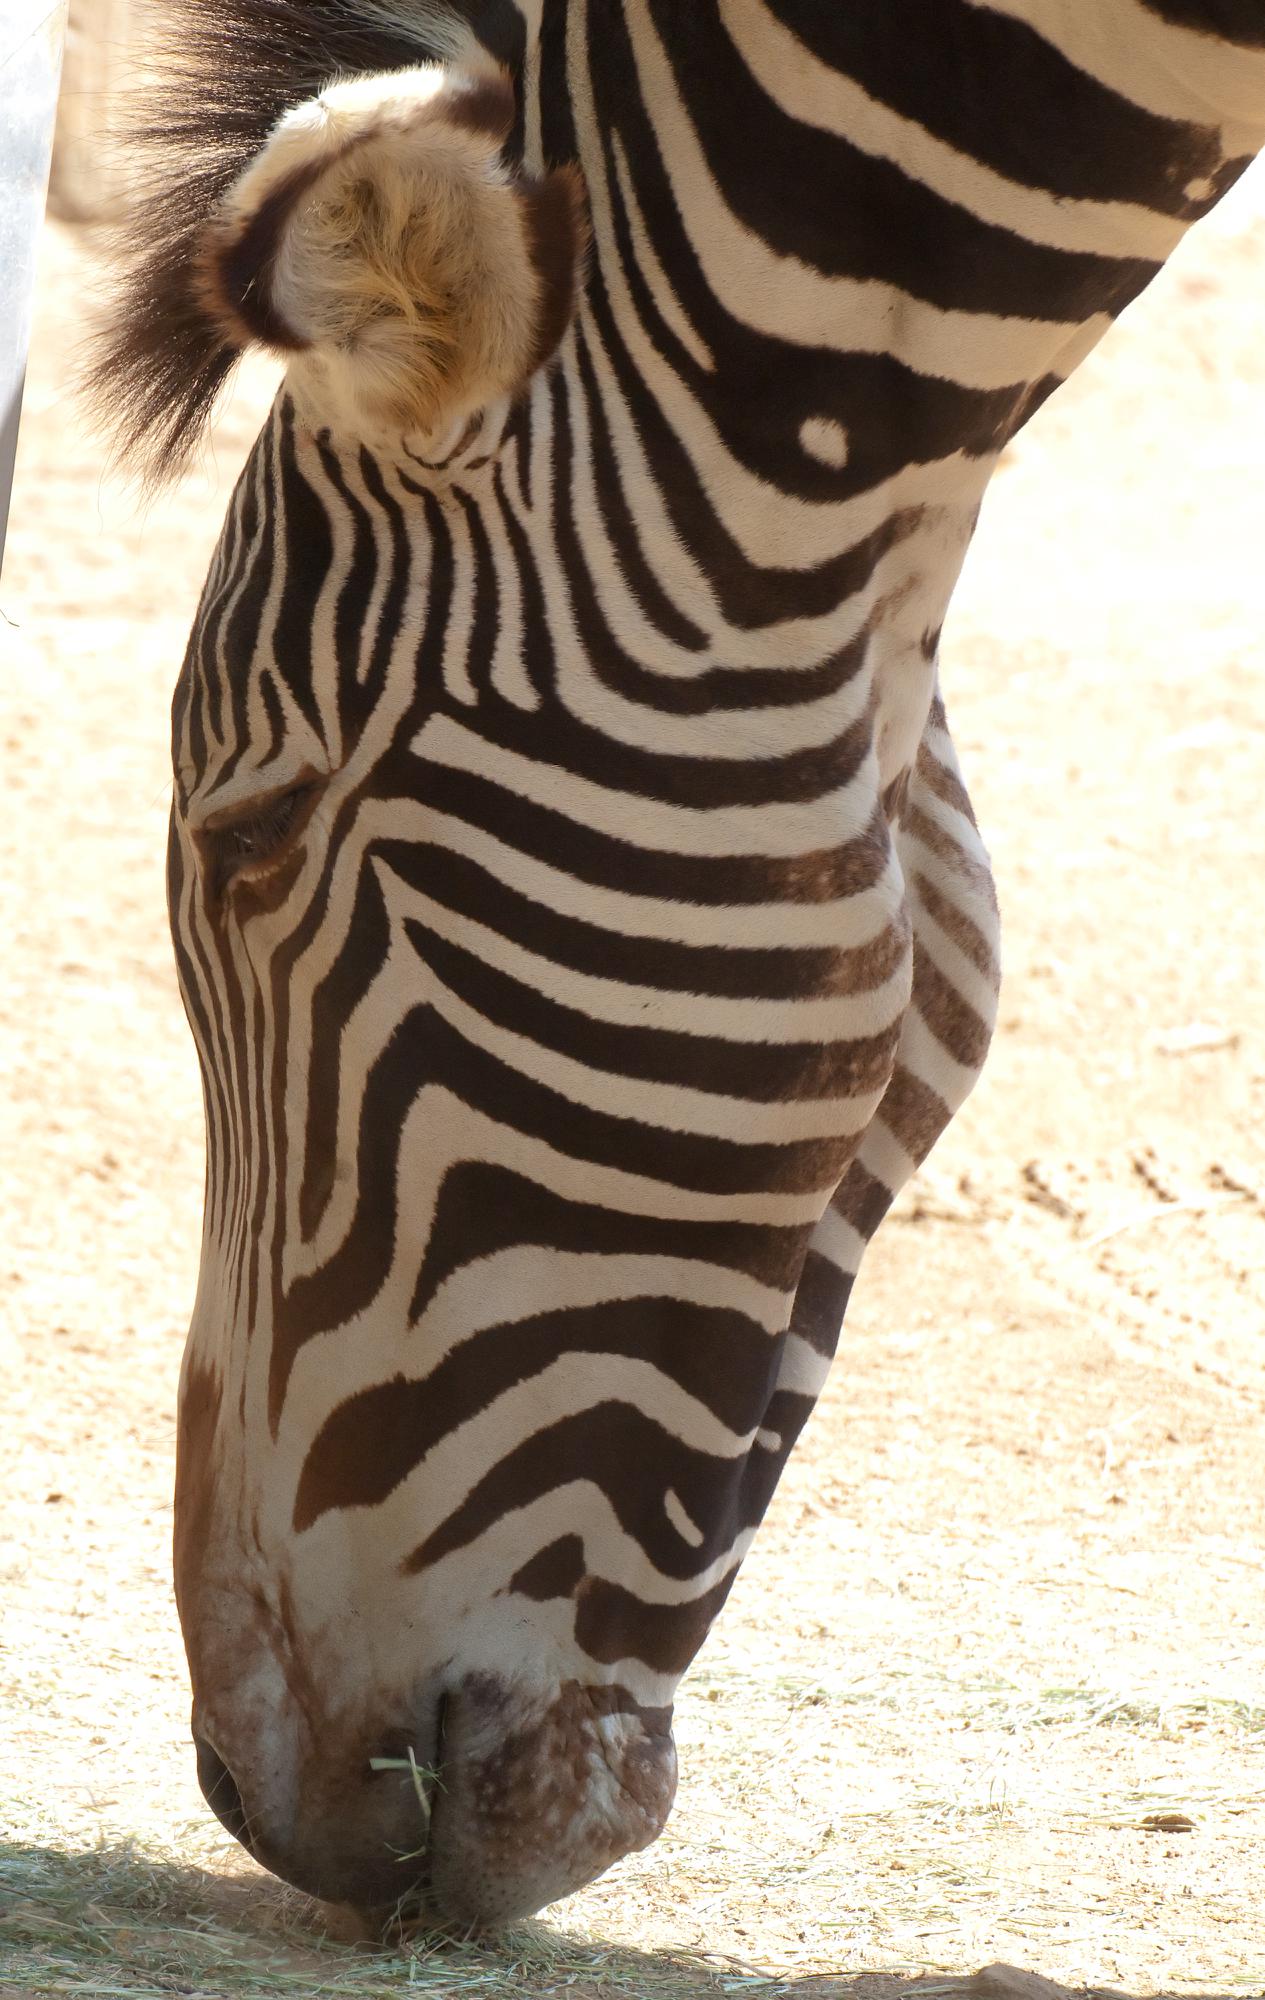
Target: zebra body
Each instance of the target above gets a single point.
(578, 907)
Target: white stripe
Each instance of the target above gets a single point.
(801, 1371)
(850, 922)
(835, 1238)
(324, 686)
(460, 621)
(514, 1284)
(789, 301)
(1172, 72)
(927, 1059)
(777, 831)
(977, 989)
(687, 1529)
(646, 259)
(883, 1156)
(624, 1004)
(813, 93)
(505, 1289)
(665, 1107)
(579, 1507)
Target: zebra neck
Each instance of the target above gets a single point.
(943, 212)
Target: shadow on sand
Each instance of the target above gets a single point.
(122, 1922)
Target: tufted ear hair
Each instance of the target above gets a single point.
(379, 237)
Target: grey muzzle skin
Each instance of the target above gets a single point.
(511, 1804)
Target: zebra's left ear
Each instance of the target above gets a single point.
(379, 235)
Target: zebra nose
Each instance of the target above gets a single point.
(221, 1792)
(490, 1805)
(349, 1830)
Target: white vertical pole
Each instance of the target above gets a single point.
(31, 33)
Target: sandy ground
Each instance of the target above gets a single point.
(991, 1685)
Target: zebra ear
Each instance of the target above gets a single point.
(379, 236)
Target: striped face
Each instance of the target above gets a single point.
(532, 1059)
(578, 910)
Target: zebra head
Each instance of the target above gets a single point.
(578, 908)
(455, 1500)
(532, 1050)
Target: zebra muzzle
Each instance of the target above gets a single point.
(516, 1799)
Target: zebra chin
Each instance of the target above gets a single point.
(516, 1800)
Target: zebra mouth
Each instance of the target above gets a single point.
(520, 1798)
(399, 1756)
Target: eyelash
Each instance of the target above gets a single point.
(244, 844)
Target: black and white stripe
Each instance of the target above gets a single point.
(579, 910)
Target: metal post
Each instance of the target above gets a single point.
(31, 33)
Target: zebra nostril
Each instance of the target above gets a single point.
(219, 1789)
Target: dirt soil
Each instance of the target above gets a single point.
(992, 1684)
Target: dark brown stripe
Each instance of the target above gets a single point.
(954, 1023)
(820, 1303)
(915, 1114)
(237, 269)
(613, 1624)
(1240, 21)
(483, 105)
(555, 211)
(895, 795)
(863, 1199)
(970, 940)
(944, 782)
(553, 1573)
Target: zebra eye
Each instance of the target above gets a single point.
(242, 846)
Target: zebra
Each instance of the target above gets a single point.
(577, 903)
